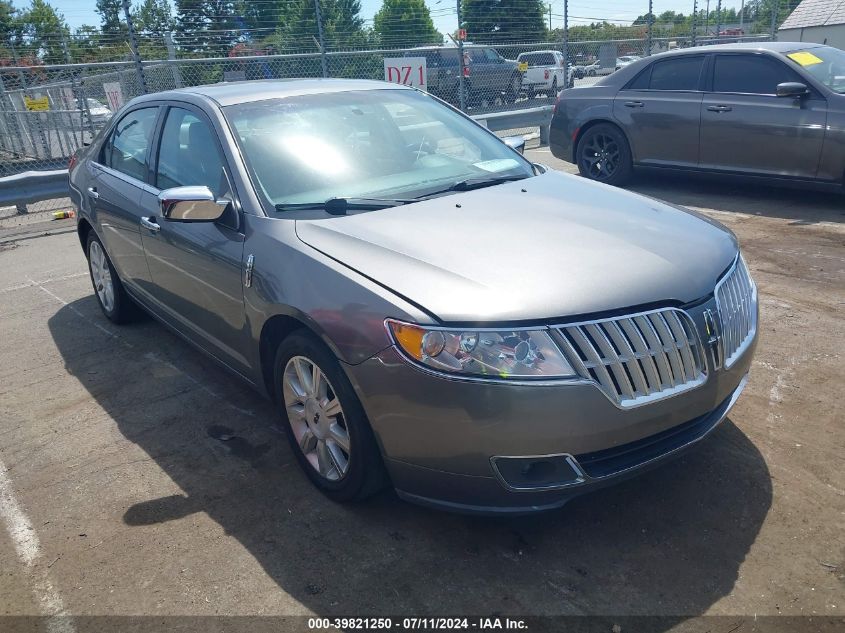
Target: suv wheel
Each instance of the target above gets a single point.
(324, 421)
(603, 154)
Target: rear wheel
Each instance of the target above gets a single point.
(324, 421)
(603, 154)
(113, 300)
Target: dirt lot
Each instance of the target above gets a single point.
(138, 479)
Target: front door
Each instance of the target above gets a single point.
(660, 110)
(196, 267)
(746, 127)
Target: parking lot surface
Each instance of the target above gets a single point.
(137, 478)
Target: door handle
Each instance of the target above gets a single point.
(150, 224)
(719, 108)
(634, 104)
(92, 191)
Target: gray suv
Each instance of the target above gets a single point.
(488, 76)
(427, 309)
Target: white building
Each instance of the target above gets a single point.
(819, 21)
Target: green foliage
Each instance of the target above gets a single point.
(153, 17)
(492, 21)
(343, 27)
(207, 27)
(40, 32)
(112, 20)
(405, 23)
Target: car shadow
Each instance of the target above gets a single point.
(667, 543)
(735, 195)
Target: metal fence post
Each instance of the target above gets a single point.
(566, 42)
(718, 18)
(775, 7)
(461, 97)
(649, 30)
(133, 43)
(319, 16)
(171, 56)
(694, 21)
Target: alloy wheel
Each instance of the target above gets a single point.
(600, 156)
(316, 417)
(101, 275)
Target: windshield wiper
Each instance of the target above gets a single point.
(474, 183)
(339, 206)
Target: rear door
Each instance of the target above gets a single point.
(118, 176)
(660, 111)
(196, 267)
(746, 127)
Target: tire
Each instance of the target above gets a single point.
(330, 435)
(603, 155)
(108, 289)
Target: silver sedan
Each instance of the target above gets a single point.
(429, 310)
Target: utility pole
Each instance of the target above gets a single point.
(649, 33)
(741, 17)
(550, 17)
(461, 97)
(707, 20)
(323, 61)
(133, 43)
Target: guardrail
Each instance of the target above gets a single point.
(34, 186)
(540, 116)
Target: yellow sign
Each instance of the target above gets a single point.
(36, 104)
(804, 58)
(523, 67)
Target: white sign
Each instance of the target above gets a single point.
(114, 95)
(408, 71)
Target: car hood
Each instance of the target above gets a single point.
(543, 248)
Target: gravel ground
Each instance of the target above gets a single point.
(138, 479)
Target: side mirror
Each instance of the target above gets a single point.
(515, 142)
(191, 204)
(792, 89)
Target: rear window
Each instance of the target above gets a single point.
(681, 73)
(538, 59)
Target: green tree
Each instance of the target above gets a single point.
(112, 21)
(41, 32)
(153, 17)
(405, 23)
(492, 21)
(209, 27)
(343, 27)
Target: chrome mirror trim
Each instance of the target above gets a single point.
(190, 204)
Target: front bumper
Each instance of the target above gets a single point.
(440, 437)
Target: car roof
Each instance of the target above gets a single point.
(229, 93)
(775, 47)
(535, 52)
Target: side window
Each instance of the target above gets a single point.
(126, 148)
(492, 55)
(749, 74)
(189, 154)
(681, 73)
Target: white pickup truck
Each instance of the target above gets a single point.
(544, 73)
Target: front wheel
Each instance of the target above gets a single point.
(514, 88)
(603, 154)
(324, 421)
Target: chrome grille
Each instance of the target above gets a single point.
(736, 298)
(637, 358)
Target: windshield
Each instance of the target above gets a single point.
(373, 144)
(825, 63)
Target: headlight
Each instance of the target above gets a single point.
(483, 353)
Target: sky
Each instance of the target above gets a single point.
(79, 12)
